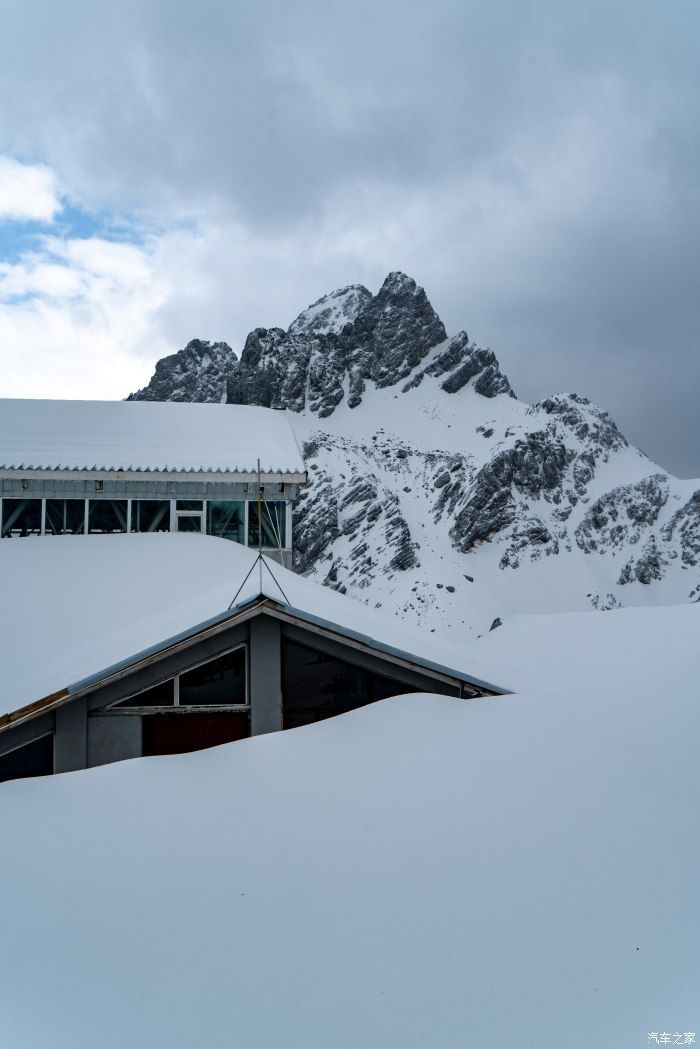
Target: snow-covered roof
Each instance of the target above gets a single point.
(74, 606)
(145, 436)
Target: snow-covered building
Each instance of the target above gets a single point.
(89, 467)
(129, 645)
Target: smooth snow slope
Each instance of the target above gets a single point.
(519, 871)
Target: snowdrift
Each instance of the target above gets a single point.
(519, 871)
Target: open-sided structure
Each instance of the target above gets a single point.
(87, 467)
(142, 645)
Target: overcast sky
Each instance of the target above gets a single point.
(171, 170)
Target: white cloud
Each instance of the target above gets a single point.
(557, 249)
(27, 192)
(77, 319)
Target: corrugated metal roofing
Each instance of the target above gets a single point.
(146, 436)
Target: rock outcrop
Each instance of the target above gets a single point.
(197, 373)
(351, 338)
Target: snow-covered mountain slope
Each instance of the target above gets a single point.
(437, 494)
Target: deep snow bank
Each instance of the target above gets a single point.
(423, 872)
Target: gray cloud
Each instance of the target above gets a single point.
(535, 166)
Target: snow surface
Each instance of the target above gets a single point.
(145, 436)
(519, 871)
(431, 425)
(96, 600)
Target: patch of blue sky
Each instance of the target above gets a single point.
(21, 237)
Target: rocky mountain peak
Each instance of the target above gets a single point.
(329, 354)
(449, 509)
(350, 338)
(391, 336)
(330, 313)
(196, 373)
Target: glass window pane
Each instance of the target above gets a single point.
(189, 523)
(107, 515)
(65, 516)
(21, 517)
(150, 515)
(218, 682)
(162, 695)
(32, 759)
(226, 519)
(190, 504)
(274, 524)
(317, 686)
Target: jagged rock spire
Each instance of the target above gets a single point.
(349, 338)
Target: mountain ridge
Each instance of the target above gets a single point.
(434, 491)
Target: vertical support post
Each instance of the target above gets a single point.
(265, 684)
(70, 741)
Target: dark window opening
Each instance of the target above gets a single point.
(317, 686)
(107, 515)
(190, 523)
(162, 695)
(33, 759)
(181, 733)
(21, 517)
(274, 524)
(65, 516)
(226, 519)
(190, 504)
(150, 515)
(221, 681)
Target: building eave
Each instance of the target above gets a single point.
(260, 605)
(127, 474)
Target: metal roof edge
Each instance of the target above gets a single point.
(260, 601)
(162, 646)
(380, 646)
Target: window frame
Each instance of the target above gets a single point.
(120, 706)
(173, 515)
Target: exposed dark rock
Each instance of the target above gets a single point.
(684, 528)
(621, 516)
(331, 313)
(197, 373)
(646, 568)
(350, 338)
(534, 467)
(588, 422)
(461, 362)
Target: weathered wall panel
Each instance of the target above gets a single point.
(265, 676)
(70, 744)
(113, 739)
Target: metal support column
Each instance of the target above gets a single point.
(265, 675)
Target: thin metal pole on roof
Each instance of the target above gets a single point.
(260, 525)
(277, 582)
(248, 574)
